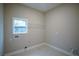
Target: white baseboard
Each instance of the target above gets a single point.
(22, 50)
(58, 49)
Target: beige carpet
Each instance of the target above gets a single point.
(41, 51)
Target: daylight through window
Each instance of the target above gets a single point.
(20, 26)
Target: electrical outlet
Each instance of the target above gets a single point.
(25, 47)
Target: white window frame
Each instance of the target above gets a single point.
(19, 18)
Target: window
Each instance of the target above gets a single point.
(20, 25)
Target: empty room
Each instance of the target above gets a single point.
(39, 29)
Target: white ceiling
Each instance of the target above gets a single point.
(41, 6)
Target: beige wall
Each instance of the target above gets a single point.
(36, 27)
(62, 26)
